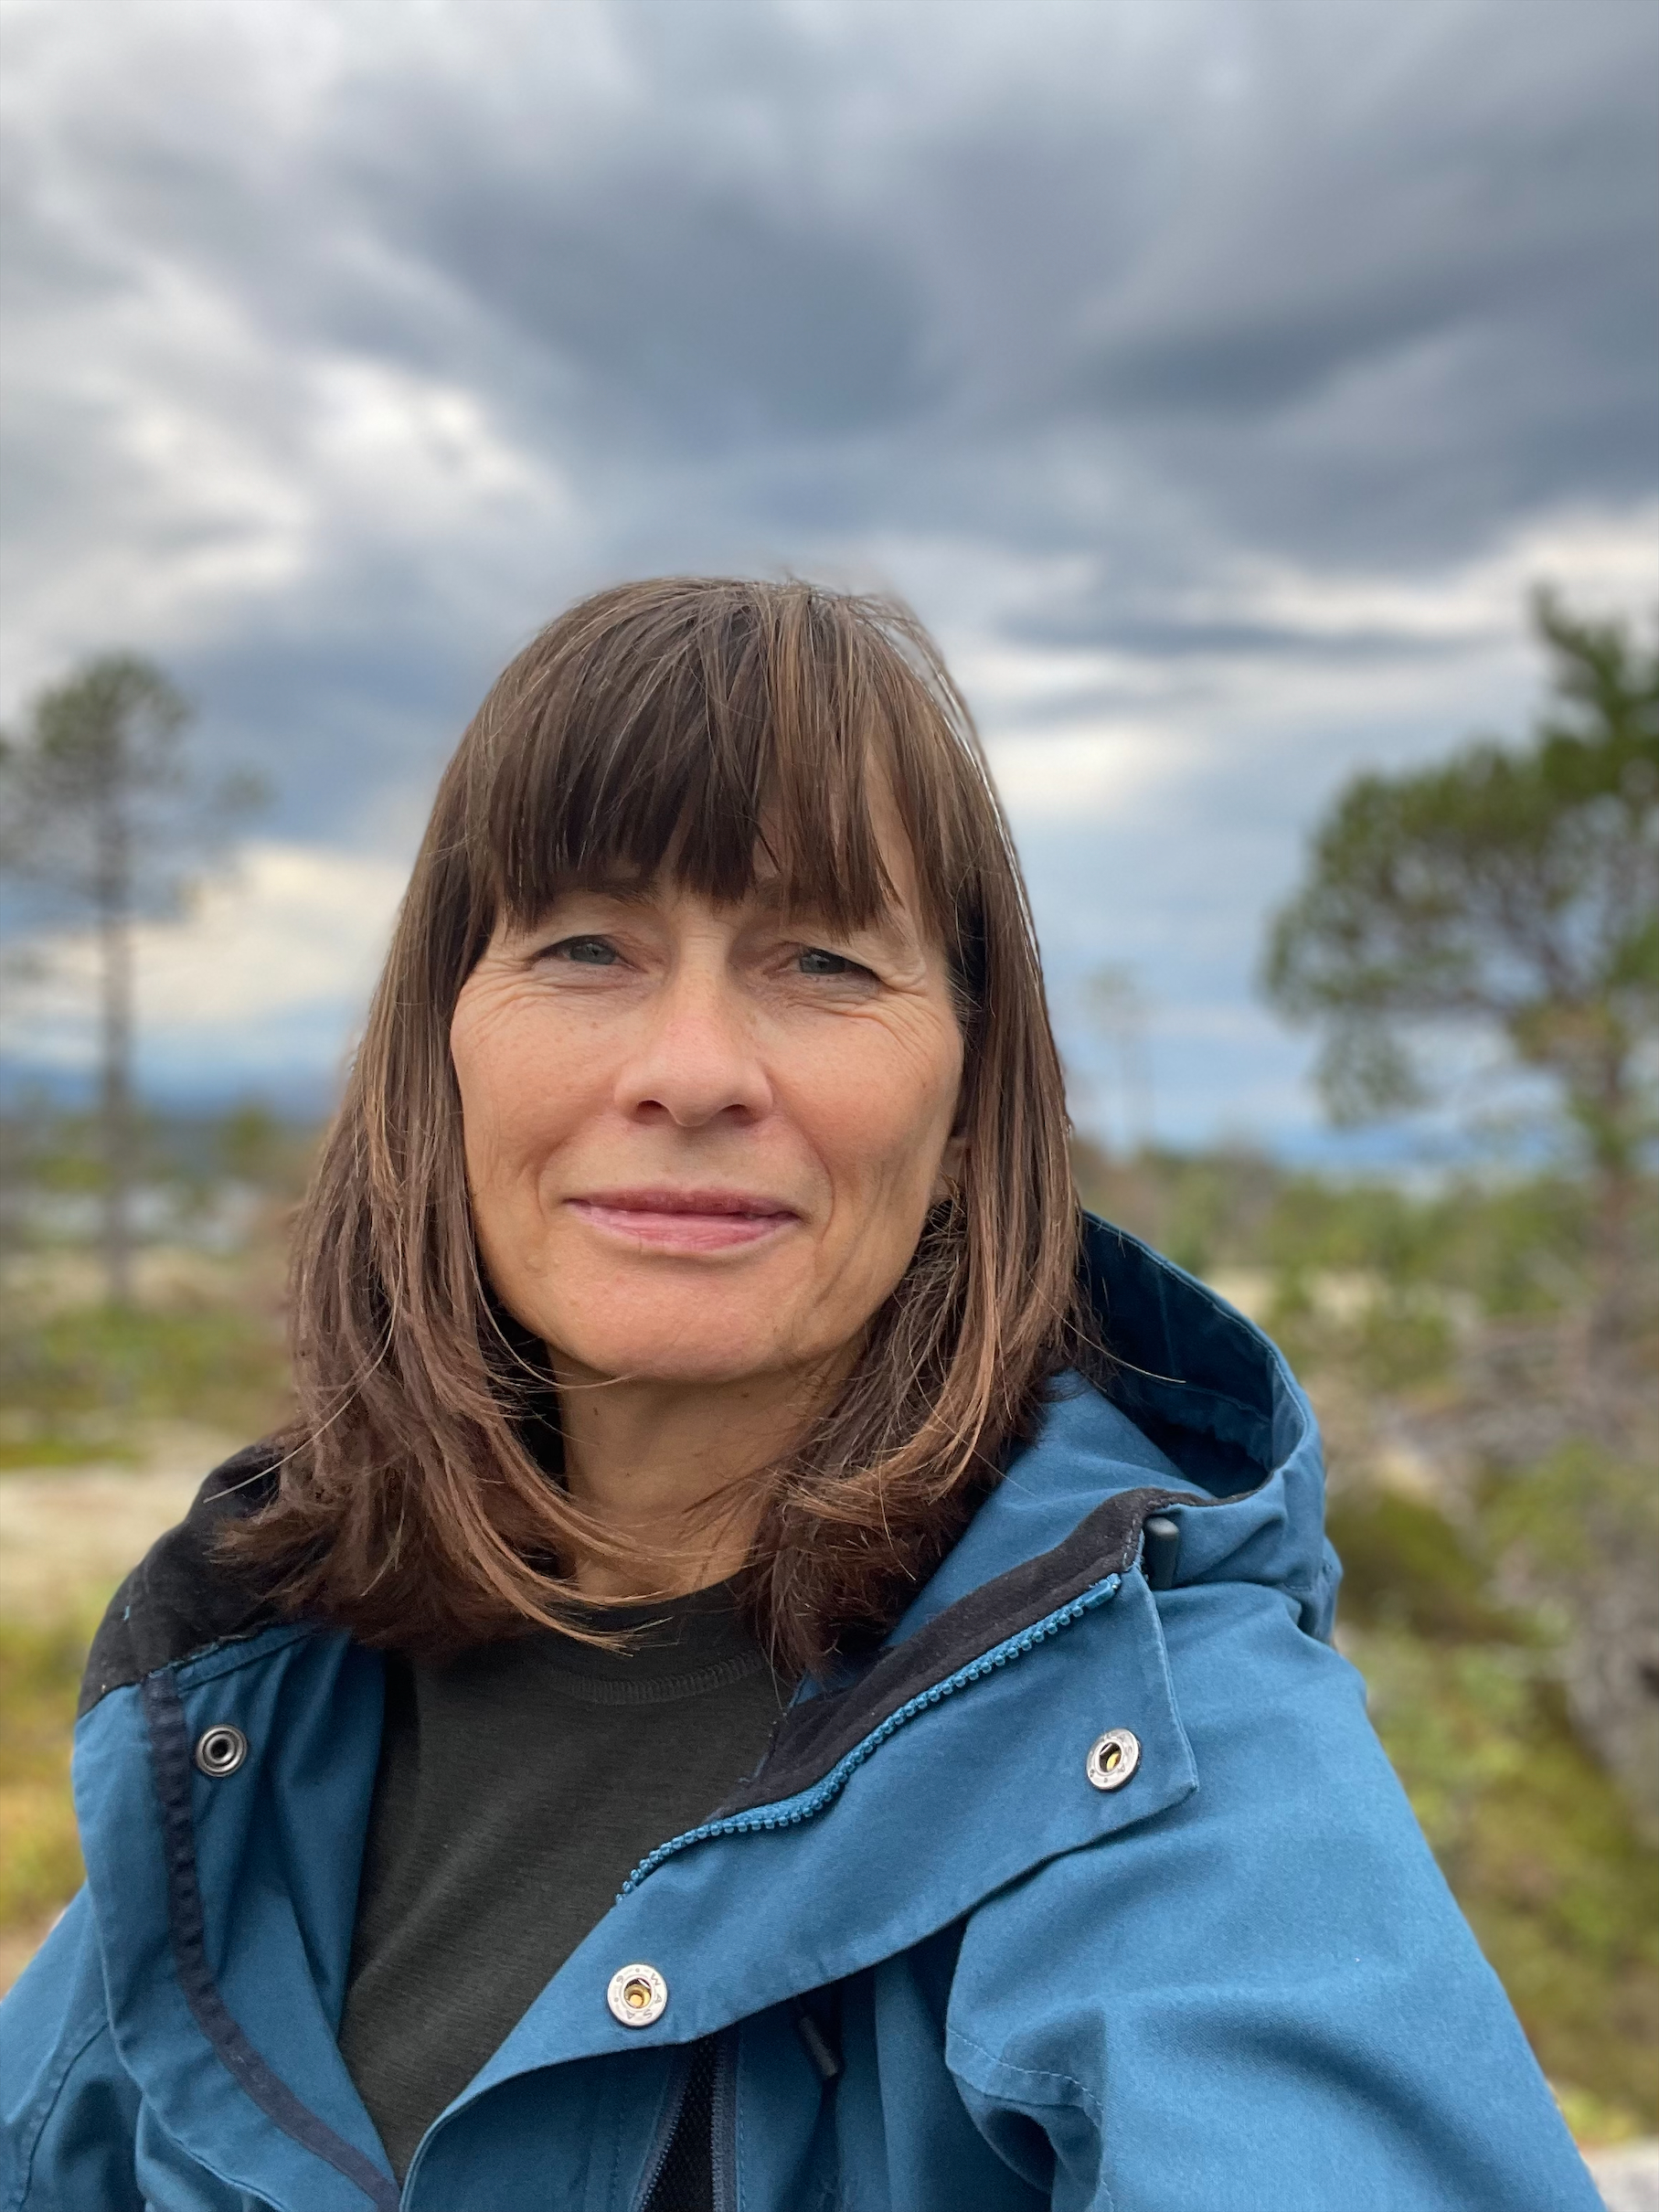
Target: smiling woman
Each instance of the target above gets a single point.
(778, 1662)
(715, 904)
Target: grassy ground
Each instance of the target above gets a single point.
(39, 1856)
(1533, 1834)
(83, 1382)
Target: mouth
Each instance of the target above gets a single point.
(684, 1221)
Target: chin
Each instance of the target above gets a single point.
(690, 1359)
(701, 1340)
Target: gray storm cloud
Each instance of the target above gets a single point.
(1202, 346)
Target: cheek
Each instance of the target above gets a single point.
(520, 1091)
(878, 1111)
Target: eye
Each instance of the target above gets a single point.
(813, 960)
(584, 952)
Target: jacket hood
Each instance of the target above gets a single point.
(1198, 1401)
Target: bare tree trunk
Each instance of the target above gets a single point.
(1615, 1200)
(115, 1057)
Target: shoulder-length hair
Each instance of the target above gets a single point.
(692, 727)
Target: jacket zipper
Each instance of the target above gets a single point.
(721, 2151)
(723, 2125)
(790, 1814)
(666, 2127)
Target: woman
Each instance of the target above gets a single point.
(777, 1664)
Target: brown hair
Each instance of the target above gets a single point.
(689, 726)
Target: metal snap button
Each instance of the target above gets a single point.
(1114, 1758)
(637, 1995)
(220, 1750)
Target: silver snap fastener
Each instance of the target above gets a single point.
(220, 1750)
(1113, 1760)
(637, 1995)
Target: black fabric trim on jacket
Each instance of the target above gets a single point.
(170, 1754)
(181, 1597)
(812, 1737)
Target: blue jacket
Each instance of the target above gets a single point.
(946, 1961)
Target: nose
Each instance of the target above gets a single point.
(695, 1059)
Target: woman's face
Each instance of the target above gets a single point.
(701, 1140)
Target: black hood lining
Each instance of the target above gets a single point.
(182, 1597)
(812, 1738)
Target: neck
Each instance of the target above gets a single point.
(661, 1467)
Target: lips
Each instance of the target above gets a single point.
(688, 1221)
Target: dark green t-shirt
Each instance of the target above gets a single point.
(518, 1788)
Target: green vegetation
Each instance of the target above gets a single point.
(83, 1382)
(52, 1169)
(97, 797)
(198, 1347)
(1485, 1358)
(39, 1852)
(200, 1340)
(1510, 893)
(1531, 1831)
(1518, 1246)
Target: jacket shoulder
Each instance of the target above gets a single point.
(1282, 1935)
(182, 1595)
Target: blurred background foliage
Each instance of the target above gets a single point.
(200, 1338)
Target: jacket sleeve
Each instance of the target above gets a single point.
(68, 2111)
(1264, 1998)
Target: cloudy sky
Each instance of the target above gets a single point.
(1214, 376)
